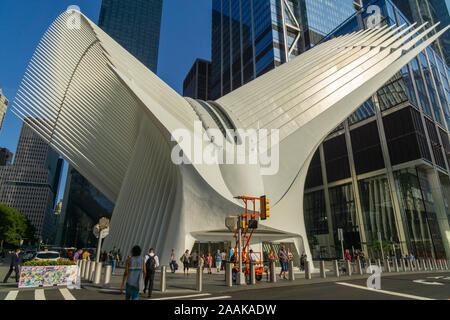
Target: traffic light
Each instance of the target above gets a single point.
(264, 207)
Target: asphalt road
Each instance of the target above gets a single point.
(393, 287)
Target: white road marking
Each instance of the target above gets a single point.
(66, 294)
(430, 283)
(183, 297)
(39, 294)
(215, 298)
(12, 295)
(384, 291)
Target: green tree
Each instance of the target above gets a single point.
(14, 225)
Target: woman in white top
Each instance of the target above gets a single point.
(134, 274)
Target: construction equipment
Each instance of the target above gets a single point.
(243, 227)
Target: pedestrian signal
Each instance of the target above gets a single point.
(264, 208)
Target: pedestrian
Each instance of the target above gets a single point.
(151, 263)
(134, 273)
(209, 260)
(173, 261)
(303, 258)
(14, 266)
(224, 258)
(114, 255)
(230, 254)
(77, 255)
(218, 260)
(362, 257)
(186, 260)
(348, 257)
(282, 255)
(70, 254)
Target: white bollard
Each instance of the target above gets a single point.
(402, 262)
(395, 262)
(291, 271)
(360, 269)
(82, 268)
(379, 264)
(440, 265)
(349, 268)
(92, 271)
(199, 282)
(307, 269)
(107, 277)
(447, 265)
(162, 282)
(387, 265)
(87, 270)
(253, 274)
(98, 272)
(228, 275)
(435, 264)
(424, 264)
(323, 274)
(336, 268)
(430, 265)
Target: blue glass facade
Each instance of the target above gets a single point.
(248, 36)
(134, 24)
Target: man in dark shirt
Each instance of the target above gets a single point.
(15, 265)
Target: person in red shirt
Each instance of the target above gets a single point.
(348, 257)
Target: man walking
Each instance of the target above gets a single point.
(151, 263)
(77, 255)
(282, 255)
(173, 261)
(15, 265)
(114, 259)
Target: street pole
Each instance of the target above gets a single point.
(240, 279)
(99, 247)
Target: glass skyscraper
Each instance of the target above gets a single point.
(134, 24)
(386, 168)
(251, 37)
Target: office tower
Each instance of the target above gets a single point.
(3, 107)
(385, 169)
(431, 11)
(134, 24)
(30, 185)
(83, 206)
(5, 157)
(251, 37)
(196, 83)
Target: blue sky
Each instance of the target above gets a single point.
(185, 35)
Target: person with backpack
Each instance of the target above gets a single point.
(186, 260)
(151, 264)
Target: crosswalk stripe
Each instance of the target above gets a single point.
(184, 297)
(39, 294)
(384, 291)
(66, 294)
(12, 295)
(215, 298)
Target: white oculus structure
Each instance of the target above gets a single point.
(111, 118)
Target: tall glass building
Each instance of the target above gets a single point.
(385, 170)
(251, 37)
(134, 24)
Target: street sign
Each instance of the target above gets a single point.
(340, 234)
(103, 232)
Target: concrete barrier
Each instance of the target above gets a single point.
(273, 275)
(162, 281)
(336, 268)
(228, 275)
(107, 276)
(253, 274)
(323, 274)
(307, 269)
(98, 272)
(291, 270)
(199, 282)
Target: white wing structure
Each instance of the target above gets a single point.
(112, 119)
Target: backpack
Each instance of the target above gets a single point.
(151, 263)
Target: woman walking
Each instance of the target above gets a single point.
(134, 274)
(209, 260)
(218, 260)
(186, 260)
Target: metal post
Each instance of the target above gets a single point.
(307, 269)
(402, 261)
(87, 270)
(199, 283)
(98, 272)
(387, 265)
(395, 262)
(99, 247)
(349, 268)
(322, 269)
(162, 282)
(273, 276)
(252, 273)
(92, 271)
(336, 269)
(360, 269)
(291, 270)
(228, 275)
(240, 276)
(107, 278)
